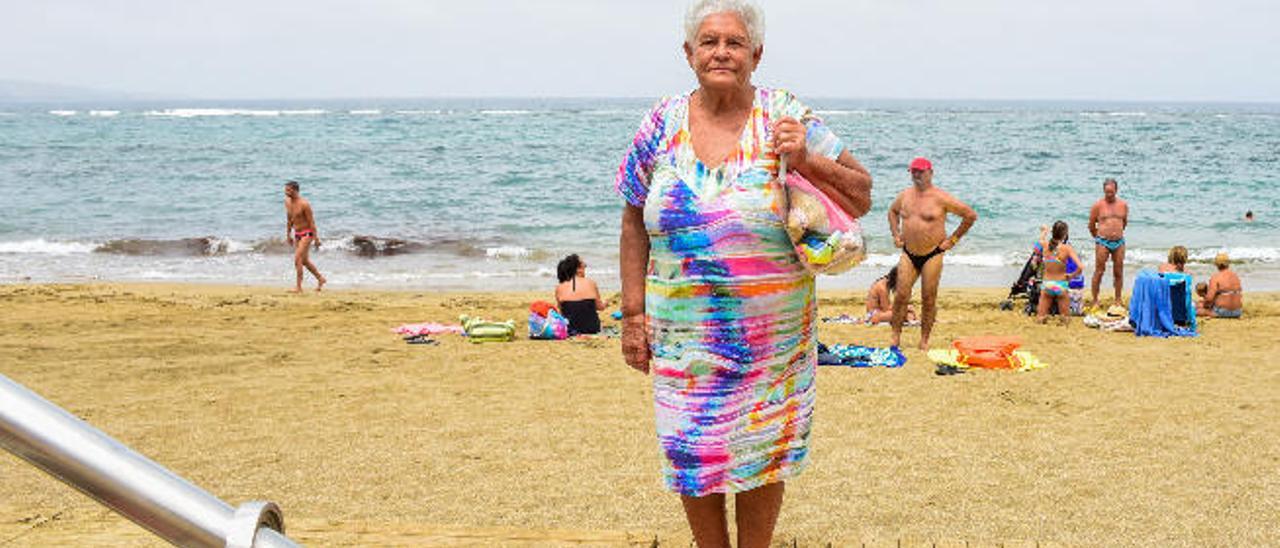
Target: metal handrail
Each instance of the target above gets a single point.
(134, 486)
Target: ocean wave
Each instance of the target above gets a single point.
(990, 260)
(42, 246)
(507, 252)
(499, 112)
(1205, 255)
(419, 112)
(1127, 113)
(104, 113)
(304, 112)
(364, 111)
(375, 246)
(202, 112)
(181, 247)
(63, 112)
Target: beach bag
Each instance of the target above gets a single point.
(989, 352)
(1077, 302)
(827, 239)
(546, 323)
(479, 330)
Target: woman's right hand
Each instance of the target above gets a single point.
(635, 342)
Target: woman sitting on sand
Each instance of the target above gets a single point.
(1224, 298)
(880, 302)
(1177, 260)
(1055, 285)
(578, 296)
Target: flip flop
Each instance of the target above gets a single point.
(945, 370)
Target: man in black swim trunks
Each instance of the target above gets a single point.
(918, 221)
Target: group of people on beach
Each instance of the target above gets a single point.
(1222, 296)
(918, 215)
(716, 304)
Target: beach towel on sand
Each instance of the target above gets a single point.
(987, 351)
(853, 355)
(1150, 308)
(1023, 360)
(480, 330)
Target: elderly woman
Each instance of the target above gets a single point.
(716, 302)
(1224, 297)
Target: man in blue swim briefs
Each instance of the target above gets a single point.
(1107, 220)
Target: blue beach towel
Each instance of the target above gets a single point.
(1180, 289)
(1151, 309)
(852, 355)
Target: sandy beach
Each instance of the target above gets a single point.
(312, 402)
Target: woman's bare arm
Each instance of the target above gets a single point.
(633, 249)
(844, 180)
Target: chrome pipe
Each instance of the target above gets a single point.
(134, 486)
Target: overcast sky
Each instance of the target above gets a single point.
(1223, 50)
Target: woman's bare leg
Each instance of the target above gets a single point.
(756, 512)
(707, 520)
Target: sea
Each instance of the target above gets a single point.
(488, 194)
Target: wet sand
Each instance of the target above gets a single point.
(310, 401)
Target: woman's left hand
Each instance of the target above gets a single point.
(789, 141)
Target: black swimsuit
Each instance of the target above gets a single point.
(920, 260)
(581, 314)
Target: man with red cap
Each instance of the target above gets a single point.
(918, 221)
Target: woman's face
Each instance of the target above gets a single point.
(721, 55)
(582, 269)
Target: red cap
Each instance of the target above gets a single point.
(921, 164)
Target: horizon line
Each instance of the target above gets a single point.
(148, 97)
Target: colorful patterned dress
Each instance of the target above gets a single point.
(730, 307)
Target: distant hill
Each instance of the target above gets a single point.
(18, 91)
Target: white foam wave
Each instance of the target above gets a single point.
(304, 112)
(507, 252)
(200, 112)
(1205, 255)
(1127, 113)
(44, 247)
(1246, 254)
(364, 111)
(419, 112)
(506, 112)
(63, 112)
(159, 275)
(988, 260)
(104, 113)
(228, 245)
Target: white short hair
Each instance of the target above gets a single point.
(751, 15)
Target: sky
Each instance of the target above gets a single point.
(1144, 50)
